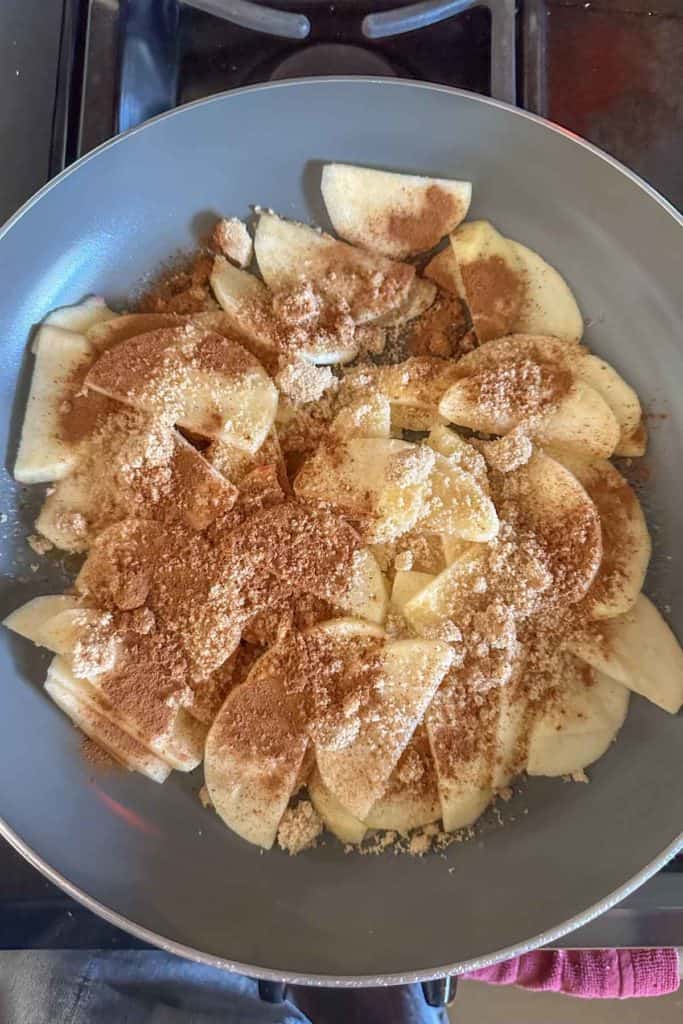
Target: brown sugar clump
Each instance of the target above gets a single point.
(181, 289)
(231, 238)
(300, 828)
(444, 330)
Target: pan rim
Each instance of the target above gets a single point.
(349, 981)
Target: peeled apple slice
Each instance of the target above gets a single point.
(363, 417)
(510, 751)
(63, 632)
(201, 380)
(565, 521)
(74, 700)
(640, 651)
(443, 270)
(411, 799)
(448, 442)
(461, 729)
(457, 505)
(414, 389)
(633, 445)
(338, 820)
(580, 420)
(181, 747)
(625, 539)
(420, 297)
(366, 596)
(61, 357)
(449, 594)
(490, 278)
(407, 584)
(81, 317)
(246, 302)
(395, 214)
(253, 755)
(289, 253)
(581, 723)
(549, 306)
(358, 773)
(382, 478)
(248, 306)
(106, 333)
(100, 492)
(620, 396)
(29, 620)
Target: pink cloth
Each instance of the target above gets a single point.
(589, 974)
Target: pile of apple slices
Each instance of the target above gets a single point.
(181, 435)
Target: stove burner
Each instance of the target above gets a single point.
(332, 59)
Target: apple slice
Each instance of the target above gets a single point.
(626, 542)
(74, 698)
(419, 299)
(410, 673)
(413, 387)
(490, 277)
(289, 254)
(61, 361)
(640, 651)
(366, 595)
(132, 466)
(411, 799)
(457, 505)
(452, 547)
(583, 422)
(237, 465)
(580, 723)
(444, 271)
(633, 445)
(407, 584)
(549, 306)
(620, 396)
(75, 632)
(196, 378)
(268, 323)
(344, 825)
(363, 417)
(510, 750)
(449, 594)
(564, 520)
(81, 317)
(382, 479)
(105, 334)
(254, 752)
(536, 381)
(181, 745)
(396, 214)
(448, 442)
(461, 726)
(247, 304)
(29, 620)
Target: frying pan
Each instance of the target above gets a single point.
(149, 858)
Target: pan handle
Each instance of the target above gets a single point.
(440, 992)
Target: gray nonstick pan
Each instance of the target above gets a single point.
(150, 858)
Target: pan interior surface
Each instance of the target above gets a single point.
(152, 854)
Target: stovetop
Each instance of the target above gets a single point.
(75, 73)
